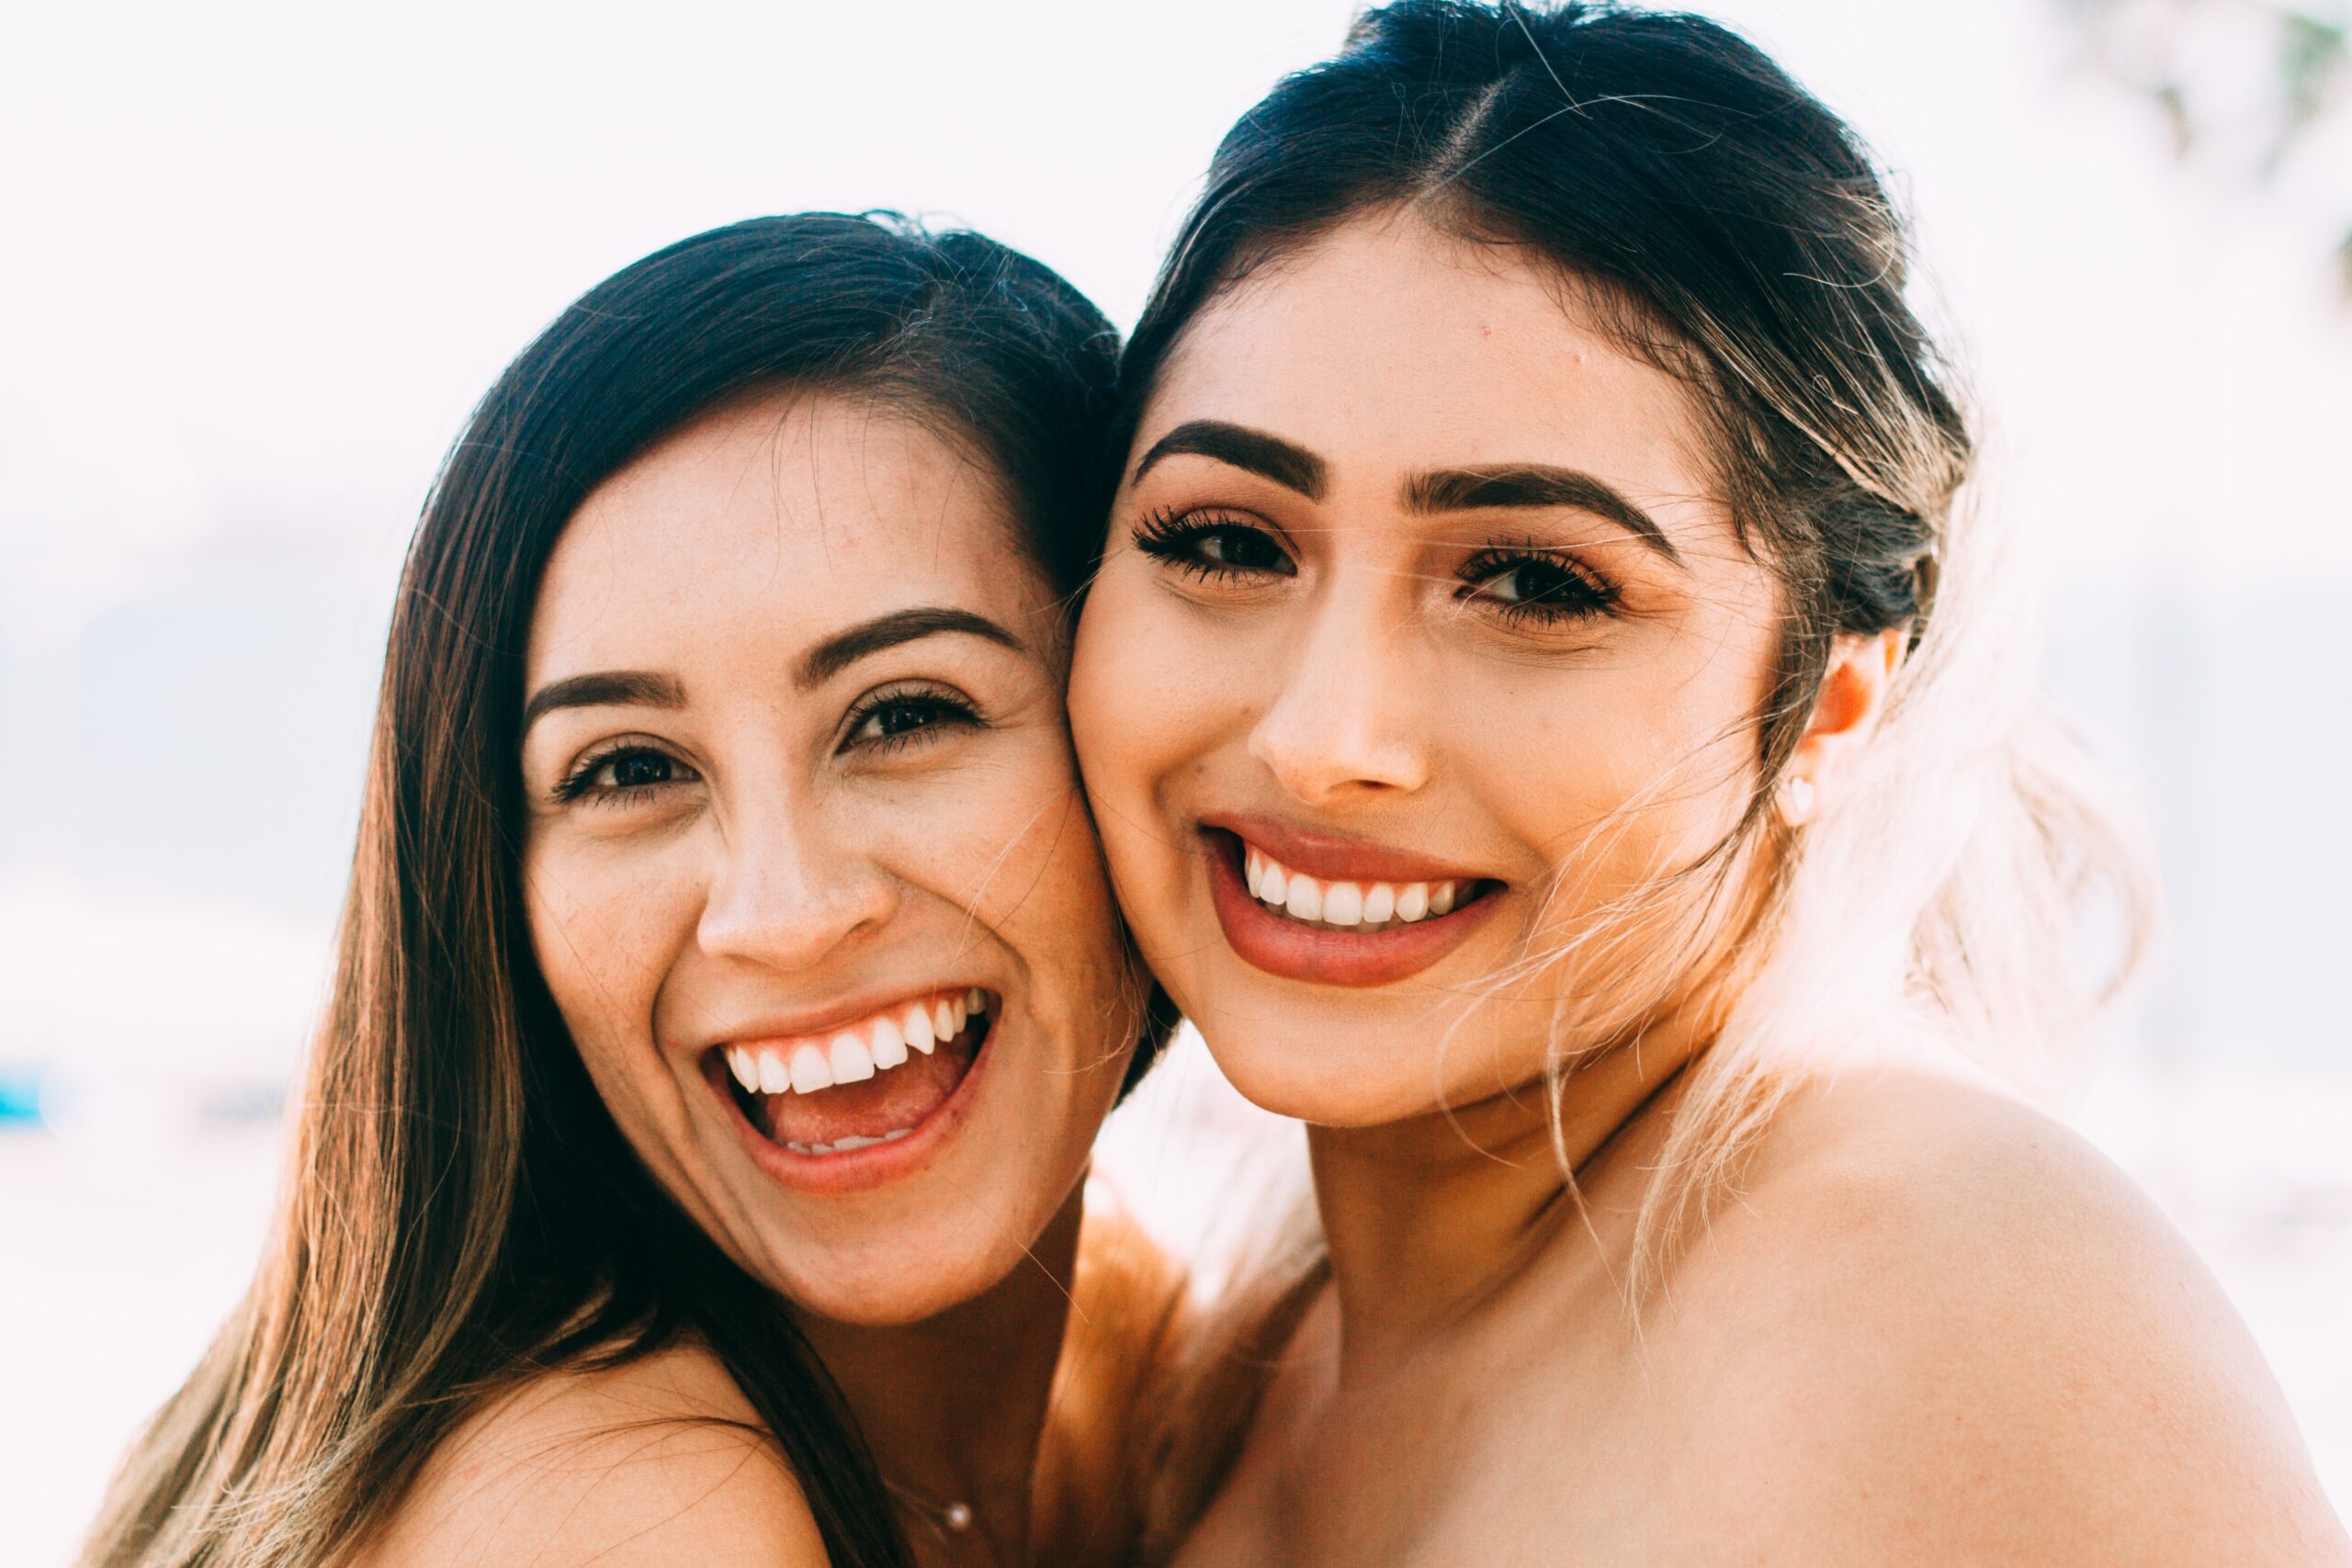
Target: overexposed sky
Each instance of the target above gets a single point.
(261, 258)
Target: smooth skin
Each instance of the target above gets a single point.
(1932, 1327)
(749, 833)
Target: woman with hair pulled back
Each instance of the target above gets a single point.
(1557, 733)
(689, 1165)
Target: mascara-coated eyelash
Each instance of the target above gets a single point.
(1210, 544)
(1547, 588)
(630, 764)
(902, 716)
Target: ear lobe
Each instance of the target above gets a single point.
(1845, 715)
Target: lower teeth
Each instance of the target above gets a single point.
(849, 1145)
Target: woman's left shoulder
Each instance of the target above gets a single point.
(1985, 1343)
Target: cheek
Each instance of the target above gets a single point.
(1631, 774)
(607, 923)
(1151, 695)
(1008, 843)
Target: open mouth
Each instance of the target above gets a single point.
(876, 1080)
(1337, 930)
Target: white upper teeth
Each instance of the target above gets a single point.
(1351, 906)
(855, 1051)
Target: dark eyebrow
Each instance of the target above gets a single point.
(604, 688)
(1534, 484)
(838, 652)
(1287, 464)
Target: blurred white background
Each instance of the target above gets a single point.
(260, 259)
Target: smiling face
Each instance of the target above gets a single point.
(808, 872)
(1420, 643)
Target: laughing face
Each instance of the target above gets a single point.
(809, 875)
(1419, 650)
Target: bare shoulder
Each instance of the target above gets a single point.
(1946, 1329)
(659, 1461)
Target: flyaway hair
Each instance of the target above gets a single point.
(1723, 225)
(460, 1212)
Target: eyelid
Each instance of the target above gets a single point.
(1162, 531)
(1215, 513)
(1494, 559)
(574, 785)
(967, 712)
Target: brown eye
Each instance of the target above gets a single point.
(1535, 587)
(637, 770)
(1241, 549)
(1212, 546)
(897, 718)
(624, 773)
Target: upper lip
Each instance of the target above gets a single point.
(1337, 857)
(795, 1023)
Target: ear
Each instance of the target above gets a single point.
(1845, 717)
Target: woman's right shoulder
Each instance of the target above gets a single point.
(657, 1459)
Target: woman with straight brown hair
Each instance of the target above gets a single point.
(689, 1163)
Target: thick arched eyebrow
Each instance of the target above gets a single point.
(867, 638)
(1510, 485)
(606, 688)
(1286, 463)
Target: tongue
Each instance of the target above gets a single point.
(901, 1097)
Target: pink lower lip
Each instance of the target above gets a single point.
(1296, 952)
(863, 1169)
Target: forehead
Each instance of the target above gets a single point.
(1389, 346)
(778, 523)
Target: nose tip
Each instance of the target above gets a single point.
(790, 907)
(1313, 770)
(1341, 726)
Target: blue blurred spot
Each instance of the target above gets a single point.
(19, 1096)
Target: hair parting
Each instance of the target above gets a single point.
(1726, 227)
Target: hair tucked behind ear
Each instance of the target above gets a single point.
(1729, 229)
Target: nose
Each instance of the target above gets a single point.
(788, 893)
(1345, 725)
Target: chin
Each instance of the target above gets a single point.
(906, 1287)
(1331, 1092)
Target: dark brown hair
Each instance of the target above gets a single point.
(461, 1211)
(1731, 229)
(1726, 227)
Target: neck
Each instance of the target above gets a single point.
(1431, 1217)
(953, 1406)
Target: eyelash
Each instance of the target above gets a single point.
(1589, 594)
(1171, 537)
(579, 783)
(945, 707)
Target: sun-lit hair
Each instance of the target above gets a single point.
(1721, 224)
(460, 1212)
